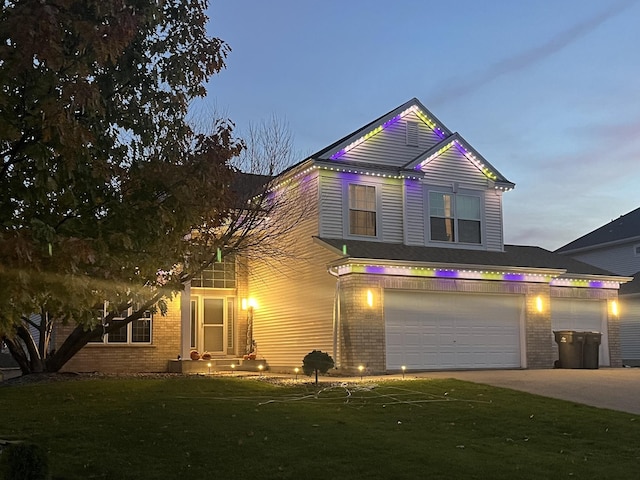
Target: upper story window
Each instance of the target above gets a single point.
(636, 250)
(362, 210)
(218, 275)
(455, 218)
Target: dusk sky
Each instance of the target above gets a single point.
(548, 91)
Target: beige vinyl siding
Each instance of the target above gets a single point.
(331, 206)
(333, 202)
(389, 147)
(453, 167)
(493, 220)
(414, 213)
(454, 170)
(391, 212)
(295, 299)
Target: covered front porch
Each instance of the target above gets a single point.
(216, 331)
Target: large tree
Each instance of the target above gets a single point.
(107, 193)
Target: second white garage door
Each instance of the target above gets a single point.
(439, 331)
(581, 315)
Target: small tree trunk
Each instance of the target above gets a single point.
(18, 354)
(36, 365)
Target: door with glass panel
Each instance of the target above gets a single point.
(213, 328)
(212, 324)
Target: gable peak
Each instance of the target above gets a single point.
(351, 141)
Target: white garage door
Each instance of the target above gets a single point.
(630, 331)
(584, 316)
(432, 331)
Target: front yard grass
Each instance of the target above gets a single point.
(234, 428)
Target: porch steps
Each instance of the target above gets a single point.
(217, 365)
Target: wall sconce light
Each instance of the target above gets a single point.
(370, 298)
(539, 304)
(614, 308)
(248, 303)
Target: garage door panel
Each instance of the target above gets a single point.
(452, 330)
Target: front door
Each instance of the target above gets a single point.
(213, 325)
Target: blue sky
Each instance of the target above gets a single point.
(548, 91)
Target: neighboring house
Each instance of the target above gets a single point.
(400, 262)
(616, 247)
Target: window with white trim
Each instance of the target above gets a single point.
(636, 250)
(136, 332)
(218, 275)
(455, 218)
(362, 210)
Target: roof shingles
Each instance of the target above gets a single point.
(625, 227)
(513, 256)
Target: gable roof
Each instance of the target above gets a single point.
(513, 256)
(632, 287)
(336, 150)
(624, 228)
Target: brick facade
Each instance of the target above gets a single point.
(118, 358)
(362, 327)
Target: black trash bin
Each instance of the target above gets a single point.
(591, 350)
(570, 346)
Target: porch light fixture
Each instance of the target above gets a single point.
(369, 298)
(614, 308)
(539, 304)
(249, 303)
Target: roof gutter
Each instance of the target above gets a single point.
(334, 267)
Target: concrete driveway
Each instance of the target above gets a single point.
(613, 388)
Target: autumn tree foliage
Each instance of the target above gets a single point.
(107, 193)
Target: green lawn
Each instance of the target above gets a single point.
(234, 428)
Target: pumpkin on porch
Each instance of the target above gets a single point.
(194, 355)
(206, 356)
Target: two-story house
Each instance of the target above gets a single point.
(615, 246)
(400, 262)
